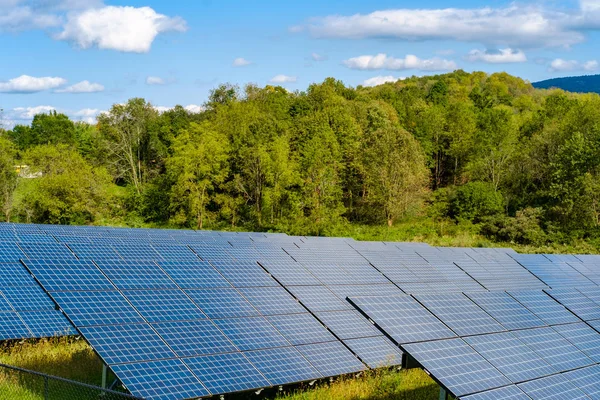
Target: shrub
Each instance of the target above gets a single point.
(475, 201)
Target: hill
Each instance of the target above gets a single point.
(578, 84)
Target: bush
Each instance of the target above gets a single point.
(475, 201)
(523, 229)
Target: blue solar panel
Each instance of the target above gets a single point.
(318, 298)
(5, 305)
(15, 275)
(251, 333)
(283, 365)
(194, 275)
(160, 380)
(457, 366)
(552, 387)
(290, 273)
(244, 274)
(47, 323)
(460, 314)
(164, 305)
(587, 380)
(69, 275)
(376, 352)
(301, 328)
(348, 324)
(12, 327)
(577, 302)
(28, 298)
(9, 251)
(225, 373)
(331, 358)
(97, 308)
(127, 277)
(222, 303)
(121, 344)
(544, 307)
(511, 392)
(583, 337)
(512, 357)
(46, 250)
(194, 338)
(554, 348)
(403, 318)
(506, 310)
(272, 300)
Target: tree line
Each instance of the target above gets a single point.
(521, 164)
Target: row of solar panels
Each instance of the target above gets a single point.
(318, 274)
(499, 345)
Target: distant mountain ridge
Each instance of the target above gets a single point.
(579, 84)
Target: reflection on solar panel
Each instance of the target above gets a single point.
(457, 365)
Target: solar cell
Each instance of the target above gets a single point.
(47, 324)
(552, 387)
(272, 300)
(460, 314)
(163, 305)
(12, 326)
(318, 298)
(301, 328)
(583, 337)
(376, 352)
(506, 310)
(244, 274)
(222, 303)
(511, 392)
(510, 356)
(544, 307)
(194, 274)
(194, 338)
(27, 298)
(68, 275)
(121, 344)
(554, 348)
(587, 380)
(283, 365)
(331, 358)
(251, 333)
(289, 273)
(403, 318)
(348, 324)
(577, 303)
(160, 380)
(457, 366)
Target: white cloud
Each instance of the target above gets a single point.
(518, 25)
(380, 80)
(560, 65)
(382, 61)
(501, 56)
(155, 80)
(27, 113)
(241, 62)
(82, 87)
(193, 108)
(284, 79)
(24, 115)
(30, 84)
(318, 57)
(126, 29)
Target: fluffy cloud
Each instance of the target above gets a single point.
(31, 84)
(193, 108)
(82, 87)
(318, 57)
(380, 80)
(155, 80)
(560, 65)
(126, 29)
(241, 62)
(24, 115)
(279, 79)
(518, 25)
(382, 61)
(502, 56)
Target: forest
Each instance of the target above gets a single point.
(513, 163)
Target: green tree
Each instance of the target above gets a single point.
(8, 176)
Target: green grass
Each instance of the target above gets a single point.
(74, 359)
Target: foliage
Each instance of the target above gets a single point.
(460, 148)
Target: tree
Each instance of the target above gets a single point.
(199, 165)
(53, 128)
(8, 176)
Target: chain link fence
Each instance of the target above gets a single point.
(21, 384)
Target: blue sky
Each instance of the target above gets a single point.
(82, 56)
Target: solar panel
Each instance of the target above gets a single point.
(403, 318)
(47, 324)
(194, 274)
(318, 298)
(251, 333)
(587, 380)
(163, 379)
(163, 305)
(460, 314)
(222, 303)
(69, 275)
(301, 329)
(578, 303)
(27, 298)
(289, 273)
(506, 310)
(376, 352)
(583, 337)
(554, 348)
(544, 307)
(331, 358)
(457, 366)
(283, 365)
(552, 387)
(511, 392)
(272, 300)
(12, 326)
(510, 356)
(121, 344)
(348, 324)
(244, 274)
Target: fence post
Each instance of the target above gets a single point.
(46, 389)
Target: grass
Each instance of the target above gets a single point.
(74, 359)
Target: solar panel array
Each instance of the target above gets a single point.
(495, 345)
(182, 314)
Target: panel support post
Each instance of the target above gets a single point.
(443, 394)
(104, 375)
